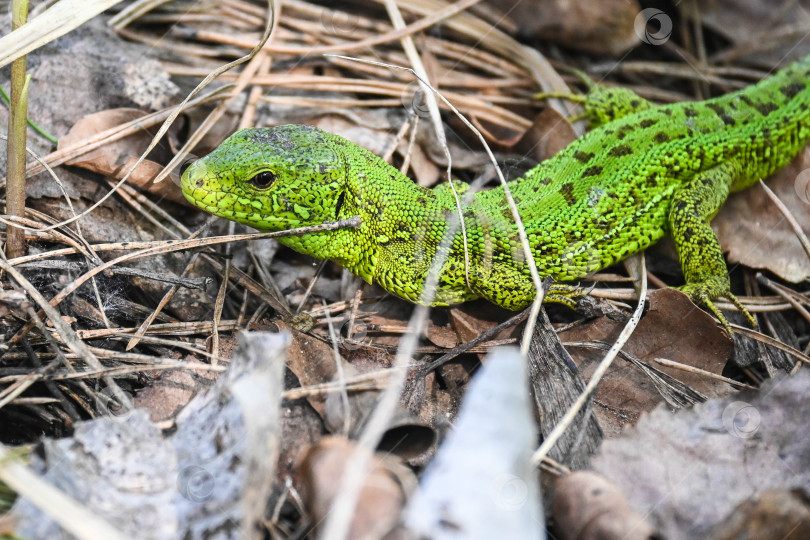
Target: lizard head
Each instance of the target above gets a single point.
(270, 178)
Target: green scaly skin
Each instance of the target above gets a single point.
(643, 172)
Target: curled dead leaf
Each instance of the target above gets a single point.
(588, 507)
(114, 160)
(382, 497)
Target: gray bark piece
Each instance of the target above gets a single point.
(556, 385)
(210, 479)
(687, 472)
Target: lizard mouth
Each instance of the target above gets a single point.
(253, 219)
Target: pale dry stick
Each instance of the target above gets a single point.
(125, 193)
(219, 303)
(18, 387)
(71, 515)
(797, 229)
(485, 61)
(355, 306)
(35, 401)
(376, 380)
(759, 304)
(340, 103)
(249, 112)
(472, 105)
(131, 12)
(524, 241)
(768, 340)
(340, 378)
(142, 329)
(333, 22)
(310, 287)
(212, 19)
(247, 7)
(181, 48)
(434, 17)
(388, 154)
(149, 361)
(240, 318)
(169, 343)
(689, 73)
(111, 246)
(59, 19)
(702, 373)
(570, 415)
(174, 328)
(406, 161)
(128, 370)
(230, 11)
(243, 80)
(788, 294)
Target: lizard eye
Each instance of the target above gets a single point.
(263, 180)
(186, 164)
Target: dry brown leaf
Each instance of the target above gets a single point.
(474, 318)
(673, 328)
(588, 507)
(779, 514)
(597, 26)
(384, 492)
(115, 159)
(688, 471)
(312, 361)
(440, 333)
(754, 232)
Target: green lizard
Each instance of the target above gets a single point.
(644, 171)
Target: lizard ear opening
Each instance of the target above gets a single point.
(339, 203)
(263, 180)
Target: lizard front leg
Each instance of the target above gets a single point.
(692, 208)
